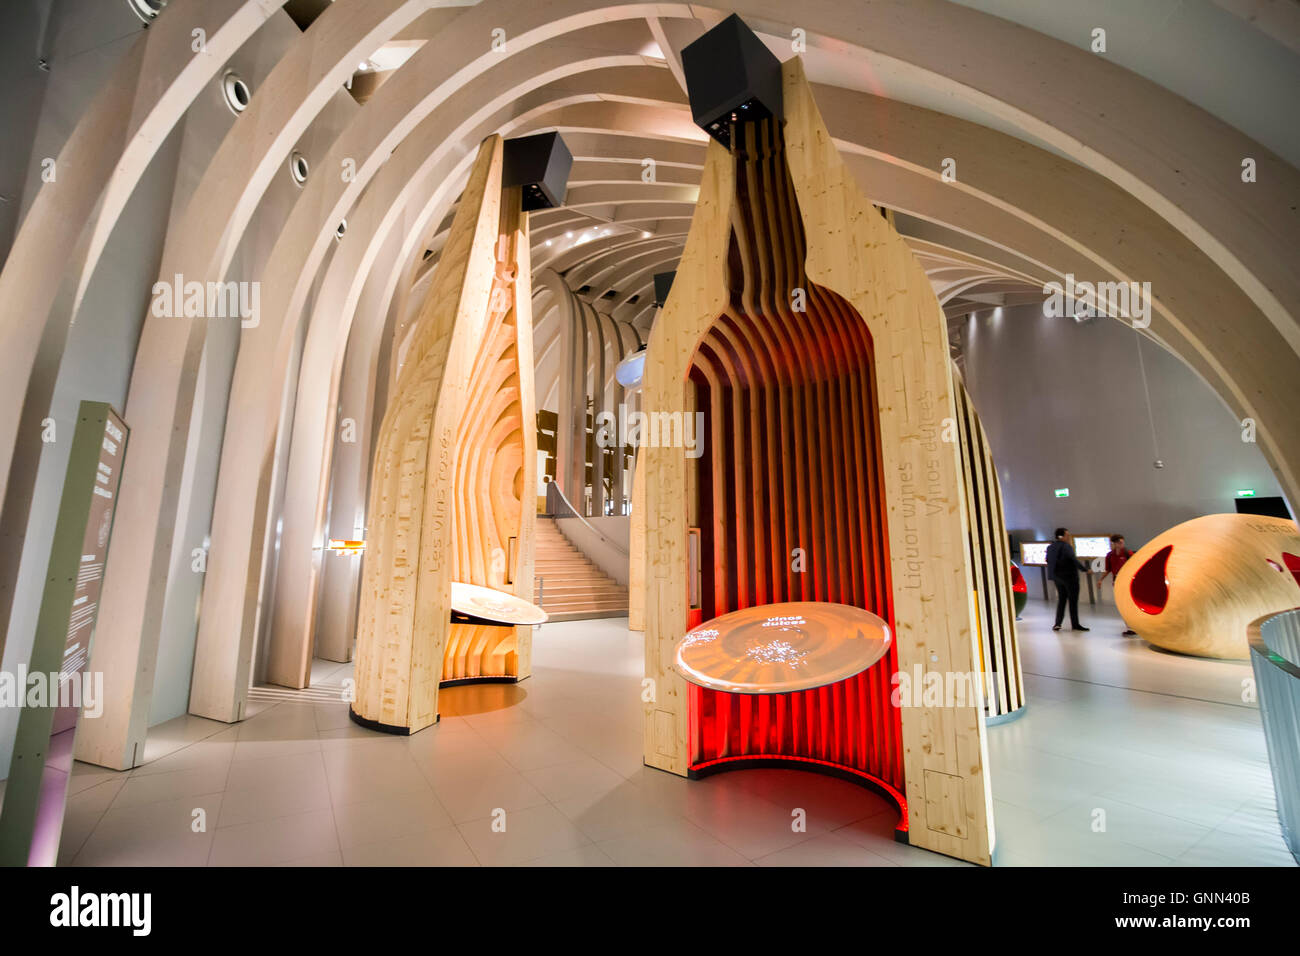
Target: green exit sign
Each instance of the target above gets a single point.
(1062, 492)
(1245, 492)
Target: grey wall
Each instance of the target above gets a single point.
(1064, 407)
(24, 42)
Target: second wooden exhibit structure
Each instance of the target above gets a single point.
(451, 496)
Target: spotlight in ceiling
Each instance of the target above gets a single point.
(343, 227)
(236, 92)
(146, 10)
(299, 167)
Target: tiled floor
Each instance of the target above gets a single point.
(1126, 755)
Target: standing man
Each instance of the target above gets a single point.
(1063, 565)
(1115, 559)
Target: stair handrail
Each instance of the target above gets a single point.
(561, 507)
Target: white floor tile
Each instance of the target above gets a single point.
(1164, 744)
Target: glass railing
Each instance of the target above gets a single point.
(1275, 657)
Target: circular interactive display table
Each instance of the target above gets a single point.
(489, 605)
(778, 648)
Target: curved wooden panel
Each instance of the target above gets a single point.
(636, 551)
(478, 651)
(995, 604)
(1196, 588)
(453, 466)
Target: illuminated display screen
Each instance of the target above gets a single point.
(1034, 552)
(1092, 546)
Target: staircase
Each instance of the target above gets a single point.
(568, 586)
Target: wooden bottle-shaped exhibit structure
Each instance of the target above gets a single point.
(806, 334)
(451, 492)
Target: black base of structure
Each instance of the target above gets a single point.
(783, 763)
(382, 727)
(456, 682)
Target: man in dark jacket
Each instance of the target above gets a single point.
(1063, 566)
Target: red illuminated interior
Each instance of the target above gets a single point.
(1018, 581)
(1149, 587)
(792, 465)
(1292, 564)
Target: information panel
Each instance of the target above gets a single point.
(57, 686)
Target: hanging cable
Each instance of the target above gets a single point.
(1146, 391)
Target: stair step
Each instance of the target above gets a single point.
(550, 597)
(602, 590)
(561, 585)
(570, 586)
(554, 609)
(561, 616)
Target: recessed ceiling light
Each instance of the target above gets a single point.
(236, 92)
(298, 167)
(146, 10)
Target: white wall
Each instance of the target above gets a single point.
(1064, 407)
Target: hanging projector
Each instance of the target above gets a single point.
(731, 77)
(540, 166)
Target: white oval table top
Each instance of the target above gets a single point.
(777, 648)
(493, 605)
